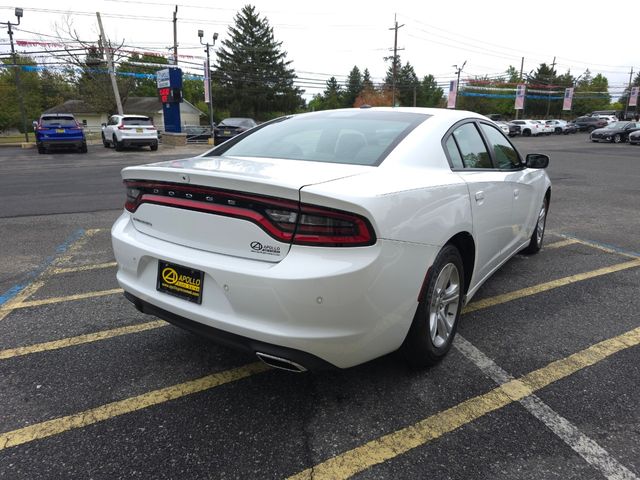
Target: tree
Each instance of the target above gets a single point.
(10, 114)
(140, 79)
(406, 81)
(354, 87)
(429, 93)
(544, 81)
(592, 93)
(252, 73)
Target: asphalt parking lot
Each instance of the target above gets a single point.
(543, 382)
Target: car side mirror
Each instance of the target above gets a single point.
(104, 125)
(537, 160)
(35, 125)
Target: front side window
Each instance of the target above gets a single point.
(472, 148)
(505, 155)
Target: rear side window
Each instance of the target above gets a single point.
(137, 121)
(472, 148)
(58, 122)
(454, 153)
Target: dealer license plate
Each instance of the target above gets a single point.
(179, 281)
(59, 130)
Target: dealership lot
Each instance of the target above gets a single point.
(543, 383)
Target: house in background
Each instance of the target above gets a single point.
(148, 106)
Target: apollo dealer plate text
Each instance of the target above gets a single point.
(179, 281)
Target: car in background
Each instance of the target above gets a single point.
(529, 128)
(509, 128)
(559, 126)
(230, 127)
(197, 133)
(589, 124)
(123, 131)
(57, 131)
(546, 129)
(617, 132)
(608, 118)
(634, 138)
(571, 127)
(288, 241)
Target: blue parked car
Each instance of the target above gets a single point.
(59, 131)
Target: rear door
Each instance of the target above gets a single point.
(491, 195)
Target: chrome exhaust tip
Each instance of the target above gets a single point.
(280, 363)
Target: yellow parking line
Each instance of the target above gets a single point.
(401, 441)
(561, 243)
(604, 248)
(83, 268)
(543, 287)
(80, 339)
(128, 405)
(68, 298)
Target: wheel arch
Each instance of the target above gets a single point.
(465, 244)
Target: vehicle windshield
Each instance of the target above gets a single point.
(137, 121)
(237, 122)
(58, 122)
(616, 125)
(359, 138)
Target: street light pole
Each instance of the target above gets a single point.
(208, 76)
(18, 13)
(458, 71)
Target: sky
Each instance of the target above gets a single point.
(328, 38)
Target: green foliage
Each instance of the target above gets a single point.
(252, 75)
(354, 87)
(30, 90)
(429, 93)
(592, 93)
(141, 87)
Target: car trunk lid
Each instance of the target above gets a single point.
(244, 207)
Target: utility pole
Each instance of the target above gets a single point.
(175, 36)
(106, 46)
(458, 72)
(207, 76)
(553, 65)
(626, 105)
(16, 67)
(521, 69)
(395, 58)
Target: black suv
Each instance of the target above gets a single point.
(589, 124)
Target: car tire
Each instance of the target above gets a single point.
(41, 149)
(153, 147)
(436, 320)
(537, 237)
(590, 129)
(526, 133)
(83, 148)
(105, 143)
(558, 130)
(118, 145)
(617, 138)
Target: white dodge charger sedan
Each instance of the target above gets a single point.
(331, 238)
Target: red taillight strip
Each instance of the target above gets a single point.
(360, 233)
(227, 211)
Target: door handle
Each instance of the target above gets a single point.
(480, 195)
(516, 193)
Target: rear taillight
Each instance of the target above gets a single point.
(285, 220)
(121, 127)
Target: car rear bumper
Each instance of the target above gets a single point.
(344, 306)
(53, 143)
(138, 141)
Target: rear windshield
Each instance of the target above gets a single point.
(58, 122)
(137, 121)
(359, 137)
